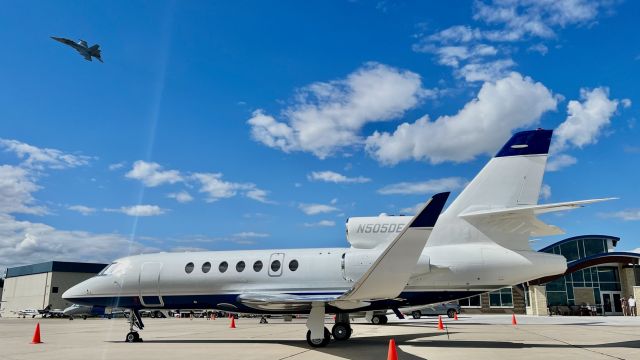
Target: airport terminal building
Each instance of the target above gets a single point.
(597, 277)
(39, 285)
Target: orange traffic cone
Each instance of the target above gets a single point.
(393, 353)
(440, 324)
(514, 322)
(36, 335)
(455, 315)
(233, 323)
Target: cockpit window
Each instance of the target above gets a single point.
(115, 268)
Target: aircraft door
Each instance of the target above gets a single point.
(149, 284)
(276, 262)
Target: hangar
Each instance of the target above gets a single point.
(596, 279)
(39, 285)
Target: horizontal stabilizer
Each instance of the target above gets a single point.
(522, 219)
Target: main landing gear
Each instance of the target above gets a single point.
(135, 321)
(318, 335)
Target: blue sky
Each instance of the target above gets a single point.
(244, 125)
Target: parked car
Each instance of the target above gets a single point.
(449, 309)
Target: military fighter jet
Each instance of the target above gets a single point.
(82, 47)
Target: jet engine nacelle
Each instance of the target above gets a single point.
(373, 231)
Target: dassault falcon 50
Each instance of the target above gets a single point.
(83, 48)
(480, 243)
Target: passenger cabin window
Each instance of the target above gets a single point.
(275, 265)
(223, 266)
(257, 266)
(293, 265)
(240, 266)
(189, 268)
(206, 267)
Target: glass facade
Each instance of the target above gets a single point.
(501, 298)
(598, 278)
(473, 302)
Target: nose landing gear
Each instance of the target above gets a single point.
(135, 321)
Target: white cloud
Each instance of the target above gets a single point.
(328, 116)
(585, 120)
(84, 210)
(139, 210)
(411, 210)
(557, 162)
(16, 188)
(545, 192)
(314, 209)
(480, 127)
(540, 48)
(181, 196)
(116, 166)
(334, 177)
(151, 174)
(424, 187)
(40, 158)
(626, 215)
(250, 234)
(485, 71)
(215, 188)
(321, 223)
(24, 242)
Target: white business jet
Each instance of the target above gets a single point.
(480, 243)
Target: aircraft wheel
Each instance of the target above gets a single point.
(316, 343)
(132, 337)
(451, 313)
(384, 319)
(376, 320)
(416, 314)
(341, 331)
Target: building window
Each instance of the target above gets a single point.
(470, 302)
(293, 265)
(223, 266)
(189, 268)
(275, 265)
(54, 290)
(257, 266)
(501, 298)
(240, 266)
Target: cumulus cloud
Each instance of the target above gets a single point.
(480, 127)
(140, 210)
(558, 162)
(586, 119)
(116, 166)
(16, 188)
(485, 71)
(82, 209)
(314, 209)
(24, 242)
(250, 234)
(181, 196)
(152, 175)
(321, 223)
(334, 177)
(328, 116)
(41, 158)
(216, 188)
(424, 187)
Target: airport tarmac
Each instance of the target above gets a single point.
(472, 337)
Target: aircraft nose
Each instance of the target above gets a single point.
(74, 292)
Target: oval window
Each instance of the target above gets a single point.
(257, 266)
(240, 266)
(275, 265)
(207, 266)
(223, 266)
(189, 268)
(293, 265)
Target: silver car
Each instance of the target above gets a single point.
(449, 309)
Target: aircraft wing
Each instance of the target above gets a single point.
(522, 219)
(385, 279)
(87, 57)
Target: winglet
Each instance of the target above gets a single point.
(430, 212)
(388, 275)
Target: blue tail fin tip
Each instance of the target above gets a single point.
(429, 215)
(532, 142)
